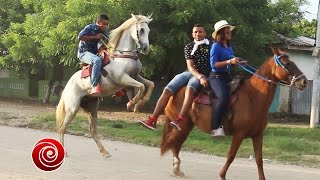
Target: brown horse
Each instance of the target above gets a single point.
(250, 111)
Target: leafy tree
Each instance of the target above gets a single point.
(286, 13)
(306, 28)
(46, 37)
(173, 20)
(9, 15)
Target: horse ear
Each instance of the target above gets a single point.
(149, 17)
(274, 51)
(134, 16)
(280, 51)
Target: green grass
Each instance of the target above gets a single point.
(299, 146)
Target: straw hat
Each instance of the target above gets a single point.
(219, 25)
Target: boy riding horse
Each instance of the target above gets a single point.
(88, 49)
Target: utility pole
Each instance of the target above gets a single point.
(314, 116)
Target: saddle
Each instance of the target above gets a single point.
(207, 96)
(87, 68)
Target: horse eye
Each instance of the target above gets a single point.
(141, 30)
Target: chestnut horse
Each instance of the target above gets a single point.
(249, 110)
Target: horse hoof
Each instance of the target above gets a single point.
(178, 173)
(136, 109)
(129, 107)
(106, 155)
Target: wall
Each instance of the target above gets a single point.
(14, 88)
(300, 100)
(304, 61)
(284, 97)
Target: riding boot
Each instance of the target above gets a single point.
(96, 91)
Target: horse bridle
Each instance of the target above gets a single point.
(138, 37)
(284, 66)
(139, 42)
(134, 55)
(278, 63)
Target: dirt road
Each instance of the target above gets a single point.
(128, 161)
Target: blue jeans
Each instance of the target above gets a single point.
(219, 84)
(185, 78)
(96, 61)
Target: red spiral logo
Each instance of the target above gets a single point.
(48, 154)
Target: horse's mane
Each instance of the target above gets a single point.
(116, 33)
(267, 65)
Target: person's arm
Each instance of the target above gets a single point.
(214, 58)
(91, 38)
(192, 69)
(190, 65)
(202, 78)
(84, 35)
(221, 64)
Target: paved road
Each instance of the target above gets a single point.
(129, 162)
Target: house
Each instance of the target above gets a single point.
(300, 50)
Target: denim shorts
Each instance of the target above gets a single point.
(182, 79)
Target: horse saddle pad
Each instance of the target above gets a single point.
(206, 96)
(87, 68)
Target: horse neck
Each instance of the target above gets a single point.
(261, 90)
(126, 42)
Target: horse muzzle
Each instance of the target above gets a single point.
(301, 83)
(144, 48)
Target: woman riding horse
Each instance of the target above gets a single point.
(250, 111)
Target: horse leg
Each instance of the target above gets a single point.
(92, 108)
(126, 80)
(69, 116)
(236, 141)
(173, 139)
(93, 130)
(150, 86)
(179, 140)
(257, 146)
(130, 94)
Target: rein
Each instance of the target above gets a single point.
(278, 63)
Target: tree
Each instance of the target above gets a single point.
(286, 13)
(10, 12)
(47, 36)
(306, 28)
(173, 20)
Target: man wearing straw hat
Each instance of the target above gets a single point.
(221, 59)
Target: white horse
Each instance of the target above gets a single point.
(123, 71)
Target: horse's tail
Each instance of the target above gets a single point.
(173, 139)
(166, 143)
(60, 113)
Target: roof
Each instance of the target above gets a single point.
(301, 42)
